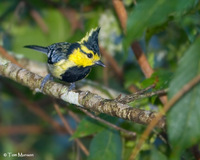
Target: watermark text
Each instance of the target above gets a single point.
(19, 154)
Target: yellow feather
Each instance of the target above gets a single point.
(60, 67)
(81, 59)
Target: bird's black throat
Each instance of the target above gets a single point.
(76, 73)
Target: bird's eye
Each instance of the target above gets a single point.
(89, 55)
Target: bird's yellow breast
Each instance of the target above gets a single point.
(60, 67)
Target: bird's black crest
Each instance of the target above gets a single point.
(92, 41)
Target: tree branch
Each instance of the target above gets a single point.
(41, 69)
(80, 98)
(135, 96)
(128, 133)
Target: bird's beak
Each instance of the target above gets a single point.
(100, 63)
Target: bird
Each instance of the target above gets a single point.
(71, 62)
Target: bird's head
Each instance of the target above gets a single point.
(87, 54)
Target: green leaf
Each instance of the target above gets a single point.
(87, 127)
(157, 155)
(184, 117)
(151, 13)
(161, 78)
(106, 145)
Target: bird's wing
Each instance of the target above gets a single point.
(58, 52)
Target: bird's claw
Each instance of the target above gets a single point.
(72, 86)
(44, 81)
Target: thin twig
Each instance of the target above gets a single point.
(146, 89)
(137, 93)
(142, 59)
(20, 129)
(130, 98)
(39, 20)
(37, 17)
(69, 129)
(160, 136)
(129, 133)
(187, 87)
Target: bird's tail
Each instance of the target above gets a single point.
(38, 48)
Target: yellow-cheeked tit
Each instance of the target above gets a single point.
(71, 62)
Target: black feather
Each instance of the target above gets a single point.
(92, 42)
(74, 74)
(38, 48)
(59, 51)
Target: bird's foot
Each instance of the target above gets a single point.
(44, 81)
(72, 86)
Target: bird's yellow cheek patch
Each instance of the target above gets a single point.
(96, 58)
(81, 59)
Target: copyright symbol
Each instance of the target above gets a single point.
(5, 154)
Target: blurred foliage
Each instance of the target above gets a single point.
(168, 32)
(106, 144)
(187, 126)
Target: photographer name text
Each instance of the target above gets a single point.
(19, 154)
